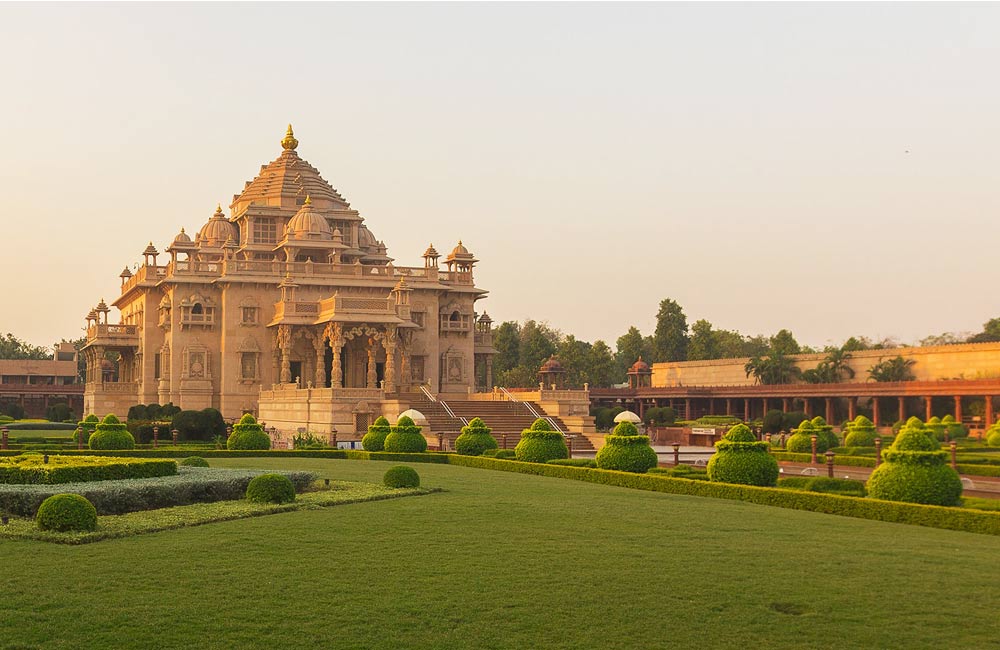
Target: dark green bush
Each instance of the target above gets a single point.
(954, 429)
(540, 444)
(271, 488)
(915, 471)
(659, 416)
(111, 434)
(741, 459)
(772, 421)
(475, 439)
(681, 471)
(626, 451)
(500, 453)
(405, 438)
(374, 440)
(792, 420)
(574, 462)
(936, 428)
(58, 413)
(247, 434)
(30, 470)
(89, 425)
(198, 425)
(993, 437)
(65, 513)
(194, 461)
(401, 476)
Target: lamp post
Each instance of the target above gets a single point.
(813, 439)
(156, 437)
(333, 436)
(829, 463)
(569, 444)
(878, 450)
(3, 441)
(677, 454)
(79, 438)
(174, 433)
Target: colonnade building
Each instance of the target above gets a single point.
(291, 291)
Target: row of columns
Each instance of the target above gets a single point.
(335, 335)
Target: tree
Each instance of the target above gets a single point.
(575, 359)
(947, 338)
(990, 333)
(507, 341)
(601, 372)
(670, 339)
(630, 346)
(894, 369)
(703, 343)
(784, 343)
(773, 369)
(832, 369)
(12, 347)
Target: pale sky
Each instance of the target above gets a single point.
(831, 169)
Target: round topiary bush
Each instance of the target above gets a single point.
(271, 488)
(741, 459)
(915, 471)
(827, 438)
(374, 440)
(248, 434)
(954, 428)
(110, 433)
(540, 444)
(405, 437)
(401, 476)
(194, 461)
(936, 428)
(89, 425)
(65, 513)
(626, 450)
(475, 439)
(993, 436)
(800, 442)
(861, 433)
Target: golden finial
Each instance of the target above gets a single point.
(289, 142)
(308, 201)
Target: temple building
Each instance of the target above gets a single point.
(288, 302)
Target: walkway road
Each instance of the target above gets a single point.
(981, 486)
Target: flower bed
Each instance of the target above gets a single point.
(189, 485)
(36, 468)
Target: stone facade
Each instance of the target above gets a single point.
(932, 363)
(291, 291)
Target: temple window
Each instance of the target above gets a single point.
(265, 230)
(248, 315)
(248, 366)
(418, 318)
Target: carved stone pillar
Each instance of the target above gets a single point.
(489, 372)
(335, 334)
(285, 343)
(372, 374)
(390, 359)
(320, 345)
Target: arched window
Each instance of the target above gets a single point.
(455, 316)
(197, 308)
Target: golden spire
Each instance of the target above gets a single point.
(218, 211)
(289, 142)
(308, 200)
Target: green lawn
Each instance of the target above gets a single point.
(503, 560)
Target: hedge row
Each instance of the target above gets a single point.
(960, 519)
(352, 454)
(80, 469)
(863, 461)
(190, 485)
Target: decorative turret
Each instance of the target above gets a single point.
(125, 275)
(288, 287)
(551, 372)
(431, 257)
(639, 375)
(150, 254)
(460, 259)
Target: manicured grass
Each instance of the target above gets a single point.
(504, 560)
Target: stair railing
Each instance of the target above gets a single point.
(533, 411)
(447, 409)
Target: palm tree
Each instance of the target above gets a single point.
(894, 369)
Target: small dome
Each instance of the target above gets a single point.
(307, 224)
(552, 365)
(460, 250)
(182, 238)
(218, 229)
(366, 240)
(418, 418)
(431, 252)
(639, 366)
(628, 416)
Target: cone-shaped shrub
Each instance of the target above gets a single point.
(626, 450)
(827, 438)
(374, 440)
(248, 434)
(739, 458)
(110, 433)
(475, 439)
(405, 437)
(65, 513)
(800, 442)
(540, 444)
(861, 433)
(915, 470)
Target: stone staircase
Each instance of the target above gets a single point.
(503, 417)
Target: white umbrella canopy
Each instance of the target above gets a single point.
(624, 416)
(418, 418)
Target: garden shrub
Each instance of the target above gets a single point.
(772, 421)
(827, 438)
(659, 416)
(110, 433)
(271, 488)
(500, 453)
(66, 513)
(247, 434)
(401, 476)
(823, 484)
(374, 440)
(792, 419)
(993, 436)
(58, 412)
(860, 433)
(198, 425)
(955, 429)
(31, 468)
(89, 425)
(936, 428)
(475, 439)
(626, 450)
(193, 461)
(741, 459)
(540, 444)
(915, 471)
(405, 437)
(800, 442)
(681, 471)
(574, 462)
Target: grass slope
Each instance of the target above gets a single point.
(505, 560)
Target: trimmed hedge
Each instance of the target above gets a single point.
(247, 435)
(860, 433)
(405, 437)
(843, 486)
(540, 444)
(500, 453)
(627, 451)
(827, 438)
(972, 521)
(401, 476)
(39, 426)
(194, 461)
(475, 439)
(916, 472)
(271, 488)
(65, 513)
(741, 459)
(374, 440)
(574, 462)
(30, 469)
(111, 434)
